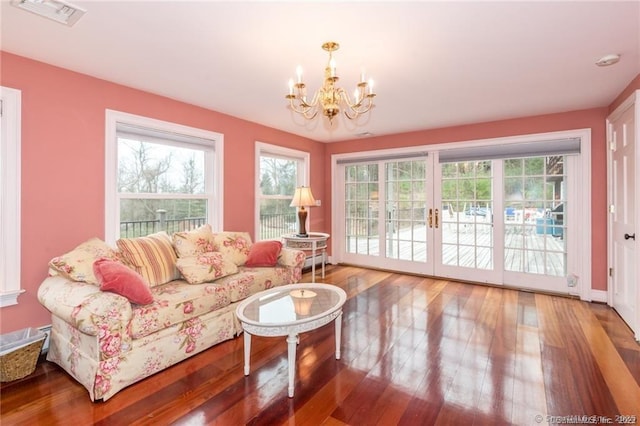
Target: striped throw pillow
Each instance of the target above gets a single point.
(152, 257)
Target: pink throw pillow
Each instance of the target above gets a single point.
(263, 253)
(117, 278)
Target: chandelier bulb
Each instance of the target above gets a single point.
(299, 73)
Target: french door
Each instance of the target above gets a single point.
(504, 222)
(385, 214)
(500, 221)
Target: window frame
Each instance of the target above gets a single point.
(303, 174)
(214, 170)
(10, 185)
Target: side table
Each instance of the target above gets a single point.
(314, 242)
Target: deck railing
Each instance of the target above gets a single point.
(272, 226)
(140, 228)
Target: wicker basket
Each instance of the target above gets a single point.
(21, 361)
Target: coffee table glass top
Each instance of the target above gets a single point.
(292, 304)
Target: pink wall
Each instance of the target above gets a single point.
(593, 119)
(63, 115)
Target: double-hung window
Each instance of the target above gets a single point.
(278, 172)
(160, 177)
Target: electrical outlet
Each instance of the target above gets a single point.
(318, 203)
(46, 330)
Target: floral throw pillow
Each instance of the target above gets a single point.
(233, 245)
(205, 267)
(194, 242)
(77, 265)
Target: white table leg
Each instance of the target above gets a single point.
(313, 263)
(324, 257)
(292, 341)
(338, 323)
(247, 352)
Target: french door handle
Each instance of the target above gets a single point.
(430, 218)
(436, 218)
(632, 236)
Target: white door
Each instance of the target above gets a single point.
(386, 214)
(623, 253)
(466, 237)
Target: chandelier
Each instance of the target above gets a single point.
(330, 98)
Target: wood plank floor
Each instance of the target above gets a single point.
(415, 351)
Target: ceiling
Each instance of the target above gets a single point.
(435, 64)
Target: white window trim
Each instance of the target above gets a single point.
(215, 210)
(303, 177)
(583, 242)
(10, 285)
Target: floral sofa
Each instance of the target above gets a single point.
(120, 315)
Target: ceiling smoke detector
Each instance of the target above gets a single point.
(56, 10)
(607, 60)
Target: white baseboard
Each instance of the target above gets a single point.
(599, 296)
(311, 259)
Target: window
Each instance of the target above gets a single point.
(160, 176)
(10, 113)
(278, 172)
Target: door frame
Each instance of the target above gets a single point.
(634, 98)
(582, 244)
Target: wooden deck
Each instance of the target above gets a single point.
(468, 244)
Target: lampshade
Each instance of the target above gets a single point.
(303, 197)
(302, 301)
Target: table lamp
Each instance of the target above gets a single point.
(302, 198)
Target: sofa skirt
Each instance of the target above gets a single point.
(78, 353)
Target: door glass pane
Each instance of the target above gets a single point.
(361, 209)
(406, 230)
(467, 209)
(535, 226)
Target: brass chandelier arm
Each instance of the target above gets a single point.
(302, 106)
(359, 106)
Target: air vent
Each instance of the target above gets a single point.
(59, 11)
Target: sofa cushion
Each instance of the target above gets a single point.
(117, 278)
(263, 253)
(205, 267)
(152, 257)
(194, 242)
(175, 303)
(77, 265)
(233, 245)
(249, 281)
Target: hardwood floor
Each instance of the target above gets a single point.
(414, 351)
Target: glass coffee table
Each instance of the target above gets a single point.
(288, 311)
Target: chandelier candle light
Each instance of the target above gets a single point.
(329, 97)
(302, 198)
